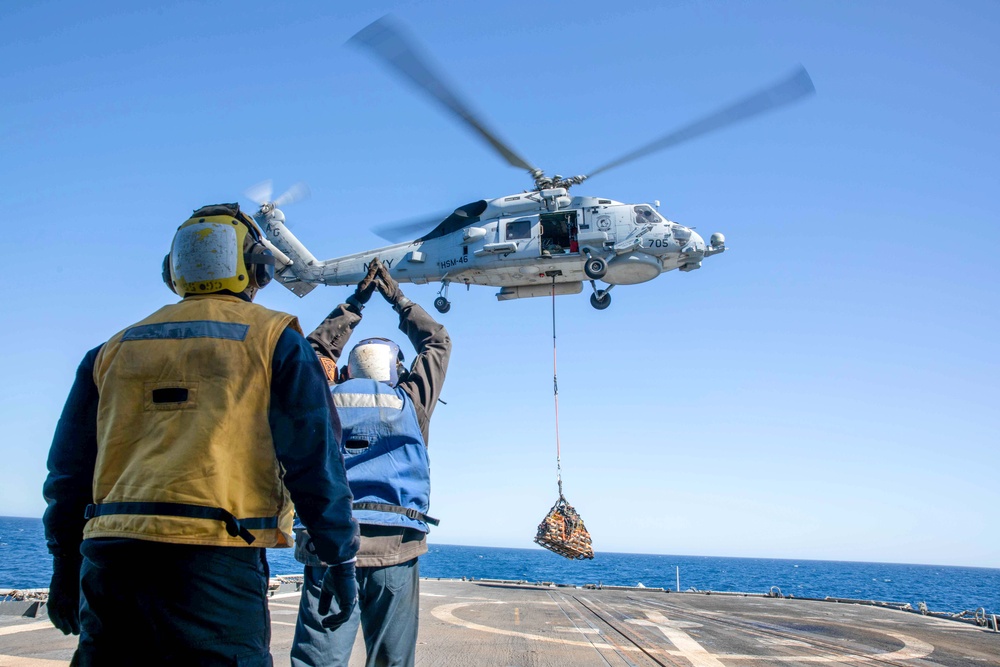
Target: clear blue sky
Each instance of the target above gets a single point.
(827, 389)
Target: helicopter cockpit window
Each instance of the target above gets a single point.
(644, 214)
(518, 229)
(462, 217)
(681, 234)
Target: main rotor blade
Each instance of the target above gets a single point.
(409, 230)
(386, 39)
(793, 88)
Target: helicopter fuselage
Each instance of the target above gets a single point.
(521, 243)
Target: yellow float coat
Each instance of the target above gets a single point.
(183, 418)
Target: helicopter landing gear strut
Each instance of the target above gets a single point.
(441, 303)
(601, 298)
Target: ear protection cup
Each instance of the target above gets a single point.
(259, 260)
(168, 277)
(260, 264)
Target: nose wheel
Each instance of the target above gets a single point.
(601, 298)
(441, 303)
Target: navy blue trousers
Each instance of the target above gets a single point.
(151, 604)
(387, 612)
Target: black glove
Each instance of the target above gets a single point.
(64, 594)
(366, 287)
(339, 582)
(389, 288)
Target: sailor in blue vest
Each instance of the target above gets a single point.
(385, 413)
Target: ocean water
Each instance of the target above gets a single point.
(25, 563)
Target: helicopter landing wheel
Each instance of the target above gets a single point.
(600, 299)
(442, 305)
(595, 268)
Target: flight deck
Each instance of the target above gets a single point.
(502, 624)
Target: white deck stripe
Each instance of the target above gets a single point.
(26, 627)
(688, 648)
(19, 661)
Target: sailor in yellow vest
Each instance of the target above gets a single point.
(182, 446)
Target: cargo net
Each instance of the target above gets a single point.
(562, 532)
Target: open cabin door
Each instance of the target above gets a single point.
(558, 233)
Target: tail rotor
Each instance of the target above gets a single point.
(261, 193)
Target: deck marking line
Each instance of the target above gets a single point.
(913, 649)
(579, 631)
(21, 661)
(446, 613)
(283, 604)
(685, 643)
(282, 596)
(26, 627)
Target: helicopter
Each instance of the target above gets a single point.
(539, 242)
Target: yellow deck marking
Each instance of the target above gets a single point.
(517, 616)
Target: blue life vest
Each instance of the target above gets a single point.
(384, 454)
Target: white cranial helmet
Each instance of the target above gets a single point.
(376, 359)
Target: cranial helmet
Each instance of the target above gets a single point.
(219, 248)
(376, 359)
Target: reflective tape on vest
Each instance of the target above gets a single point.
(367, 401)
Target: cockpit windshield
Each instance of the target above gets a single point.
(462, 217)
(645, 214)
(681, 233)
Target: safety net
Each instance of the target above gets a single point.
(562, 532)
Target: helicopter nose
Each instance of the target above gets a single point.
(694, 251)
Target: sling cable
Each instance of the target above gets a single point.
(562, 530)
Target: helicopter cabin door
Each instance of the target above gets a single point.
(558, 233)
(518, 238)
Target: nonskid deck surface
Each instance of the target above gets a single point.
(503, 624)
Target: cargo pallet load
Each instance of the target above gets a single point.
(562, 532)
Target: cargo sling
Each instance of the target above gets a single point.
(562, 530)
